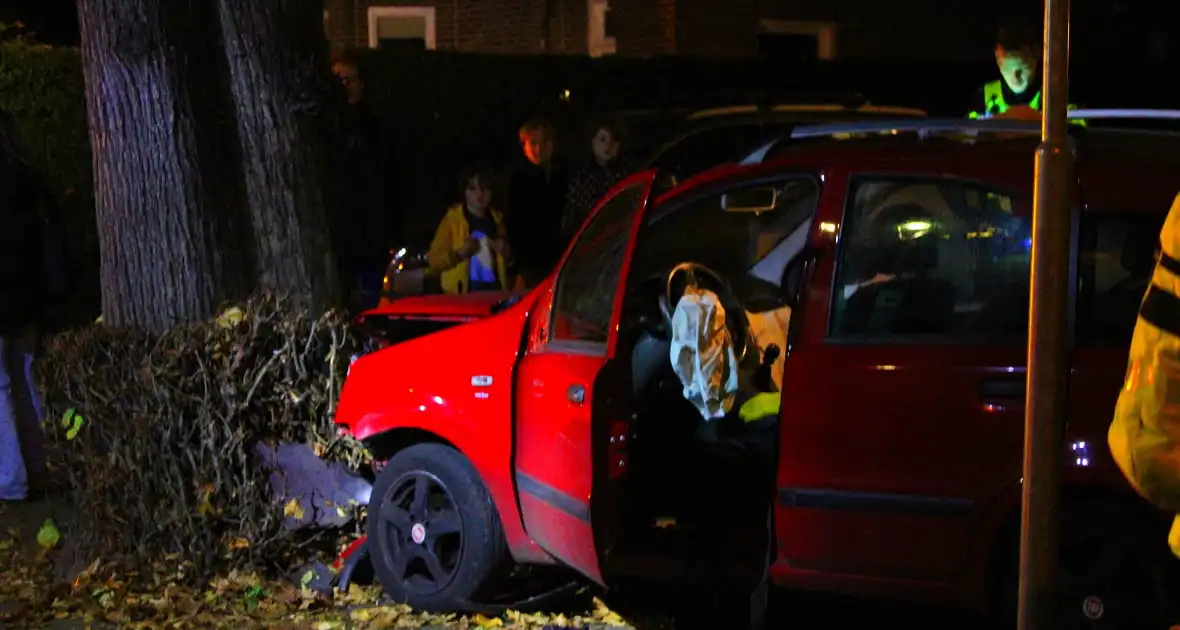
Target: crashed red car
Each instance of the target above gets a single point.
(551, 427)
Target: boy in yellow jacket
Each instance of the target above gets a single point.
(470, 248)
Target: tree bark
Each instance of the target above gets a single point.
(281, 84)
(170, 222)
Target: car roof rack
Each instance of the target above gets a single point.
(805, 107)
(961, 126)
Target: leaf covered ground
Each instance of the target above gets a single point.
(103, 595)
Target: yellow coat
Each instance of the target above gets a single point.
(453, 231)
(1145, 435)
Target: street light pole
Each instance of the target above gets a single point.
(1048, 363)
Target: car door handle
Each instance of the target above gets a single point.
(1001, 394)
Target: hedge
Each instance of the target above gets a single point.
(158, 435)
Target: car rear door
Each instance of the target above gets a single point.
(904, 397)
(572, 391)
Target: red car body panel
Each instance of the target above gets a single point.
(863, 507)
(426, 385)
(470, 305)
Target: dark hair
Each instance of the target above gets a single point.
(534, 125)
(613, 126)
(480, 172)
(1021, 35)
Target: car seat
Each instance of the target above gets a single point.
(914, 303)
(1118, 307)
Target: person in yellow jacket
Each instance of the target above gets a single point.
(1017, 93)
(1144, 437)
(470, 248)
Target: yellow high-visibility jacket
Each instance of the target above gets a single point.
(1145, 435)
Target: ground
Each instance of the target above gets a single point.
(37, 590)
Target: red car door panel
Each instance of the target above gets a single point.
(571, 391)
(903, 410)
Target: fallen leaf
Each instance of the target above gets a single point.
(486, 622)
(293, 509)
(48, 536)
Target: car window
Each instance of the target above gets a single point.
(589, 279)
(934, 257)
(704, 149)
(1116, 257)
(735, 244)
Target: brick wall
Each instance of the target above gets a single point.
(909, 28)
(640, 27)
(706, 28)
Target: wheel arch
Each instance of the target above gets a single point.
(388, 443)
(1006, 536)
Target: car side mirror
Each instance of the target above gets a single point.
(756, 200)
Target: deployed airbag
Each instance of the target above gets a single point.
(702, 353)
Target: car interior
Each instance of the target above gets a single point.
(743, 246)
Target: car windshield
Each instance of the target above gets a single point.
(725, 141)
(741, 245)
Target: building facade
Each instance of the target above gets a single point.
(790, 30)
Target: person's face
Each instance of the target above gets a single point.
(1018, 67)
(351, 78)
(477, 194)
(537, 146)
(605, 146)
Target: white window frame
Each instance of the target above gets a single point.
(377, 13)
(597, 42)
(823, 32)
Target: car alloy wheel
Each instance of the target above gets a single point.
(422, 533)
(1112, 582)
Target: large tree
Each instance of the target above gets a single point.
(172, 230)
(282, 87)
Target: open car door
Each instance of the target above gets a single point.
(573, 392)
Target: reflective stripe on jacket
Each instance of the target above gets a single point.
(1144, 437)
(994, 103)
(453, 231)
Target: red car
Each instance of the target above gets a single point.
(549, 428)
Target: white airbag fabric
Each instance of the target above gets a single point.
(702, 353)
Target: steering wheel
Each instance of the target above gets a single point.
(735, 314)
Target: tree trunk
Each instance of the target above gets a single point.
(170, 221)
(281, 82)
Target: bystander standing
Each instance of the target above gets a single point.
(536, 198)
(23, 288)
(367, 227)
(593, 180)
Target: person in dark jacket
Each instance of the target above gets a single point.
(21, 297)
(592, 181)
(368, 222)
(536, 198)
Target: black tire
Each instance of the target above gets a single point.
(469, 556)
(1115, 570)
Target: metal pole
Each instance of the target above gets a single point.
(1045, 406)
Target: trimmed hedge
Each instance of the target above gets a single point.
(157, 434)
